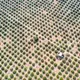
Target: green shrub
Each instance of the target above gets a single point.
(70, 75)
(37, 73)
(35, 77)
(0, 72)
(66, 72)
(74, 78)
(68, 69)
(29, 78)
(47, 68)
(11, 76)
(32, 74)
(64, 76)
(61, 78)
(20, 77)
(49, 71)
(41, 75)
(77, 65)
(55, 64)
(30, 68)
(57, 76)
(76, 74)
(47, 74)
(44, 78)
(78, 45)
(38, 78)
(14, 72)
(59, 73)
(78, 49)
(72, 71)
(25, 69)
(36, 39)
(6, 77)
(53, 74)
(20, 0)
(51, 77)
(78, 70)
(67, 79)
(62, 70)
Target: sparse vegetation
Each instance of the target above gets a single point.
(32, 33)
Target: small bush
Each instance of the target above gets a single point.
(0, 72)
(32, 74)
(14, 72)
(78, 49)
(55, 64)
(36, 39)
(44, 78)
(76, 74)
(59, 73)
(61, 78)
(79, 71)
(6, 77)
(70, 75)
(25, 69)
(57, 76)
(72, 71)
(62, 70)
(29, 78)
(11, 76)
(74, 78)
